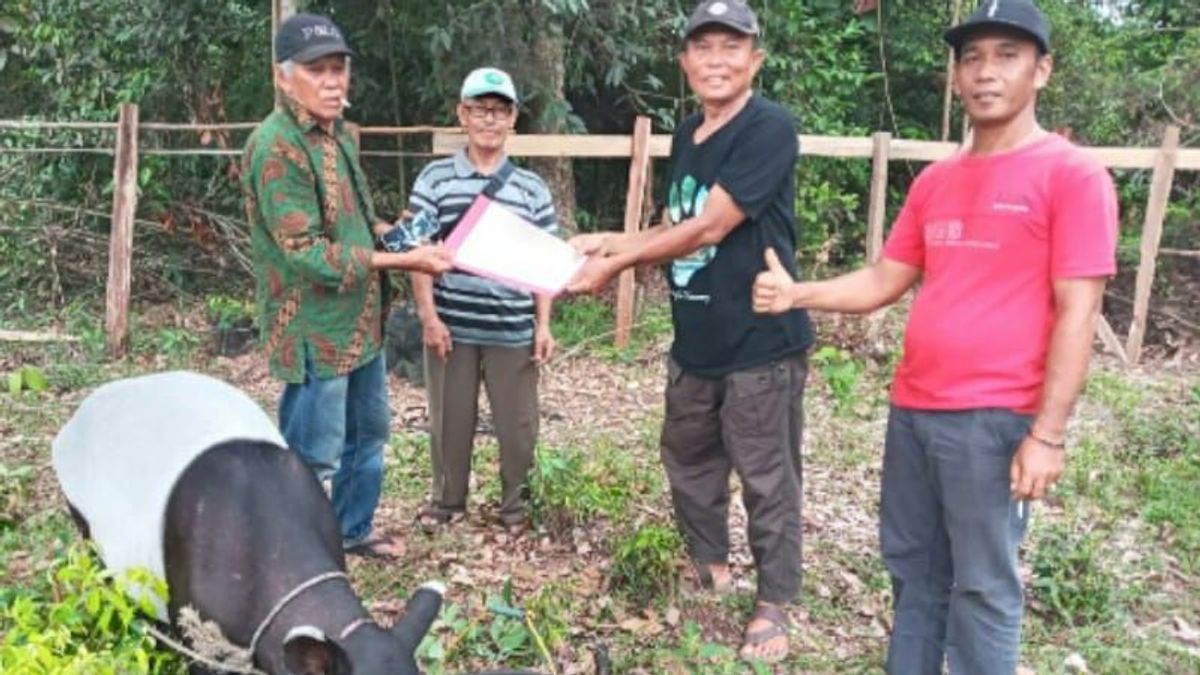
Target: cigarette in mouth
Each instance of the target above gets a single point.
(345, 103)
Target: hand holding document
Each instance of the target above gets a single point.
(496, 243)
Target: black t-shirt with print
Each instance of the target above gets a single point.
(753, 158)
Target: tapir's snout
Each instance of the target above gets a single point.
(419, 614)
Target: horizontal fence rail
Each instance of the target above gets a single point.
(639, 149)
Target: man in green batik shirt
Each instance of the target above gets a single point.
(319, 280)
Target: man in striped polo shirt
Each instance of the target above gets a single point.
(475, 329)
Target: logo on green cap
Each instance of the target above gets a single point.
(493, 78)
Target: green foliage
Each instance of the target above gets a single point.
(1172, 502)
(589, 321)
(85, 623)
(1071, 580)
(26, 378)
(645, 564)
(226, 312)
(580, 319)
(842, 372)
(505, 634)
(570, 487)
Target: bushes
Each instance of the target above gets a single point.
(644, 566)
(82, 623)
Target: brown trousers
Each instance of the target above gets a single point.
(750, 421)
(510, 378)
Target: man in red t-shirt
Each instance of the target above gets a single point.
(1013, 240)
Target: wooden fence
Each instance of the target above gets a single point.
(640, 149)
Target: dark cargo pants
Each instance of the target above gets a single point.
(750, 421)
(949, 532)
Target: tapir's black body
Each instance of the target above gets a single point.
(246, 523)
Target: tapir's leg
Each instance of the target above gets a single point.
(80, 521)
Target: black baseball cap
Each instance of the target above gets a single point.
(735, 14)
(304, 38)
(1020, 15)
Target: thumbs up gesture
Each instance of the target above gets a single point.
(772, 286)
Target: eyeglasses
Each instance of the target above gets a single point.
(482, 112)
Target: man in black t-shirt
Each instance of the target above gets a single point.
(735, 379)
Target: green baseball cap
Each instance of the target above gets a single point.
(484, 81)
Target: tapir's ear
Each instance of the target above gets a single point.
(306, 651)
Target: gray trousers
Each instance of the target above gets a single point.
(750, 421)
(510, 378)
(949, 531)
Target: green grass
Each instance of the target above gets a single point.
(590, 323)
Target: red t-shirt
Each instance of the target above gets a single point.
(991, 234)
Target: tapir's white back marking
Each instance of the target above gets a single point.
(119, 456)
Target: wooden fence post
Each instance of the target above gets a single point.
(639, 172)
(879, 183)
(948, 94)
(1156, 211)
(120, 250)
(281, 10)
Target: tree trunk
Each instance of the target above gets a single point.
(547, 74)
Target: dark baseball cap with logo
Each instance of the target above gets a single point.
(735, 14)
(1020, 15)
(304, 38)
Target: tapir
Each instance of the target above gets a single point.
(185, 476)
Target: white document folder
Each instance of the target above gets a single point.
(496, 243)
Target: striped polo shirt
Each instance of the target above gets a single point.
(474, 309)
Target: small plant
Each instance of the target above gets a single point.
(644, 564)
(569, 488)
(1071, 580)
(842, 372)
(84, 624)
(233, 321)
(225, 312)
(502, 633)
(26, 378)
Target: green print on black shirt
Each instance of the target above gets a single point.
(685, 201)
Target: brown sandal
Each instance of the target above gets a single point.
(778, 627)
(378, 548)
(432, 518)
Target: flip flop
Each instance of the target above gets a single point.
(778, 627)
(431, 517)
(376, 548)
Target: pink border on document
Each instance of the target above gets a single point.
(469, 220)
(463, 230)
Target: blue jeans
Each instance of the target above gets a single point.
(339, 426)
(949, 531)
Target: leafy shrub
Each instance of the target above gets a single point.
(84, 623)
(644, 566)
(569, 488)
(842, 373)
